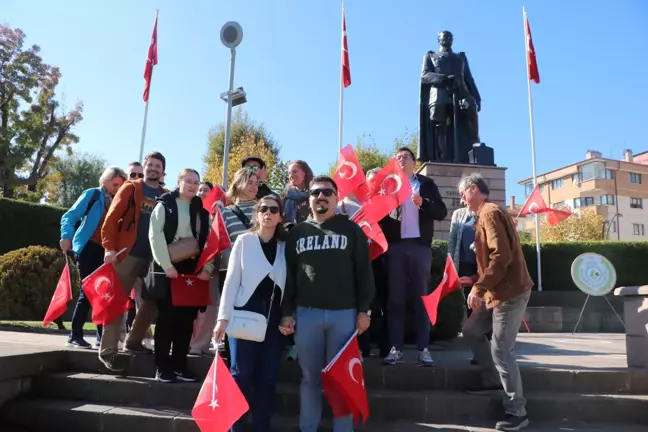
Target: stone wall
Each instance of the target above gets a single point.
(447, 176)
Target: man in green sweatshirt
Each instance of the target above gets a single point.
(329, 288)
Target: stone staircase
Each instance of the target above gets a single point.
(78, 395)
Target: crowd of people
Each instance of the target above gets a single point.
(299, 272)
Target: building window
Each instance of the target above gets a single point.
(607, 199)
(576, 178)
(528, 188)
(611, 226)
(608, 174)
(638, 229)
(558, 205)
(634, 178)
(583, 202)
(557, 184)
(636, 203)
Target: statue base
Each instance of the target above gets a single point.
(447, 177)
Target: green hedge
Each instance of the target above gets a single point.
(28, 278)
(27, 224)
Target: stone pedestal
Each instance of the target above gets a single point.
(635, 308)
(447, 176)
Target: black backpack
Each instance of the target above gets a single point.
(93, 199)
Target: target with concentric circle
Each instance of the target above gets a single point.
(593, 274)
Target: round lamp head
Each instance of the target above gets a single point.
(231, 34)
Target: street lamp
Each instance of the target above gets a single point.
(231, 36)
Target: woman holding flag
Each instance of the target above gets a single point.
(256, 276)
(177, 233)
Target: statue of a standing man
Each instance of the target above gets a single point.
(448, 95)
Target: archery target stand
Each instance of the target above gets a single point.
(594, 275)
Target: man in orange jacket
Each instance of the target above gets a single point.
(126, 227)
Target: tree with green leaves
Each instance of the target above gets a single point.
(71, 176)
(248, 138)
(33, 125)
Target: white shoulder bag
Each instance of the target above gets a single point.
(249, 325)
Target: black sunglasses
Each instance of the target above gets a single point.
(272, 209)
(136, 175)
(327, 192)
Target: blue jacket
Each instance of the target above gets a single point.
(88, 225)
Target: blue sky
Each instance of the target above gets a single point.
(591, 56)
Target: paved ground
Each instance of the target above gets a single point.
(549, 350)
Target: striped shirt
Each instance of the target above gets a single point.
(234, 225)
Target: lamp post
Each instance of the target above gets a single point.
(231, 36)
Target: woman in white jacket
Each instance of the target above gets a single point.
(253, 290)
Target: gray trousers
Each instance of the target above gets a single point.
(497, 358)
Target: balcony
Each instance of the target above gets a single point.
(596, 184)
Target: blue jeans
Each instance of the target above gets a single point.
(90, 259)
(320, 334)
(255, 367)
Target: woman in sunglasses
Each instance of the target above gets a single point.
(254, 286)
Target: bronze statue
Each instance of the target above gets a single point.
(449, 103)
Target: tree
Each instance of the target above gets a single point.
(584, 225)
(247, 139)
(278, 177)
(29, 138)
(71, 176)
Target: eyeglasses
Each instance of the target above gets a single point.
(272, 209)
(136, 175)
(253, 167)
(327, 192)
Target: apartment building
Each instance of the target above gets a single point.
(617, 190)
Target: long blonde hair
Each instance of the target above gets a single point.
(241, 178)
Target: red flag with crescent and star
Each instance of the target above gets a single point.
(106, 295)
(151, 60)
(348, 175)
(532, 63)
(188, 290)
(346, 66)
(388, 189)
(220, 402)
(215, 195)
(375, 236)
(343, 382)
(62, 295)
(534, 203)
(449, 283)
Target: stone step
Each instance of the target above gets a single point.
(48, 415)
(451, 373)
(385, 405)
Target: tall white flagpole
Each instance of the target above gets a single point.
(341, 111)
(146, 105)
(533, 153)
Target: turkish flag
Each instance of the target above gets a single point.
(346, 66)
(106, 295)
(62, 295)
(348, 174)
(217, 241)
(216, 194)
(449, 284)
(345, 386)
(532, 63)
(188, 290)
(220, 402)
(377, 240)
(554, 216)
(151, 60)
(389, 189)
(534, 203)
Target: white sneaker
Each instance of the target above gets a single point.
(148, 343)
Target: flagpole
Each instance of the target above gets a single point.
(146, 105)
(341, 111)
(533, 153)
